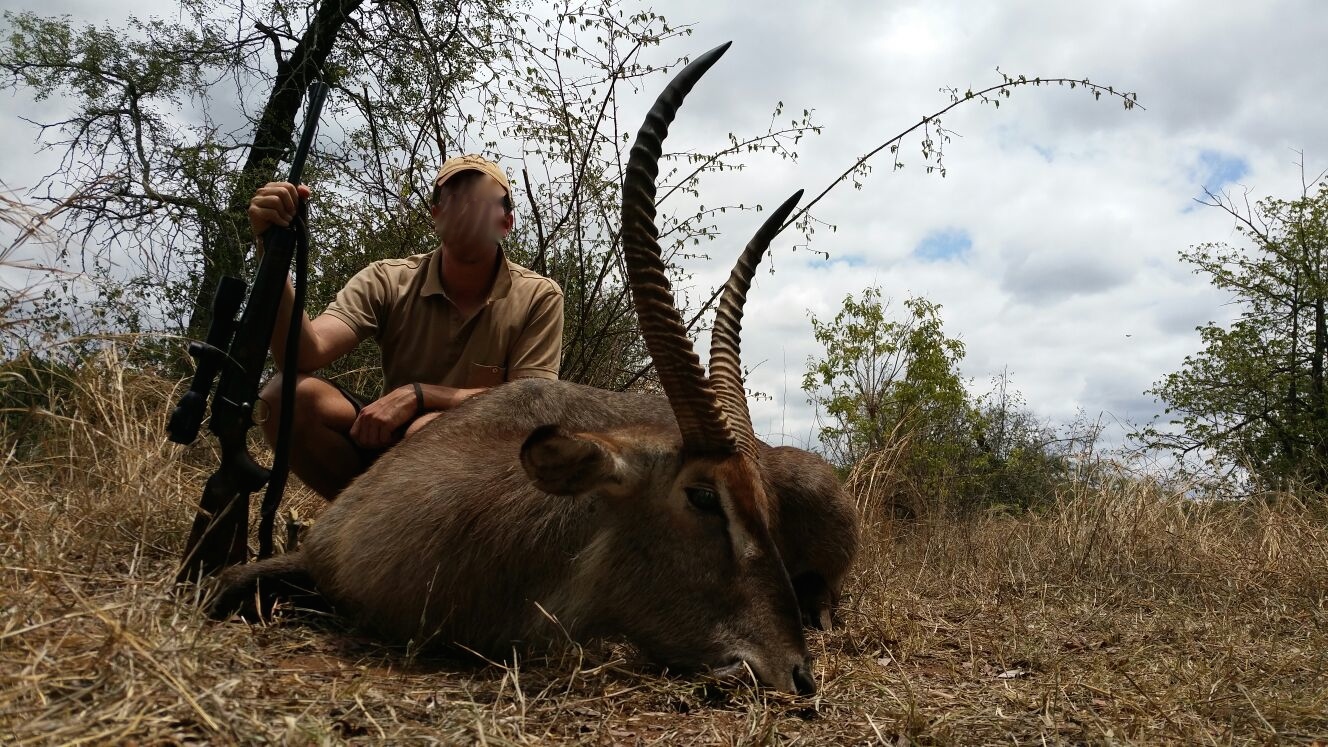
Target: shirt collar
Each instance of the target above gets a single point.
(433, 285)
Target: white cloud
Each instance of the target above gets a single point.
(1074, 208)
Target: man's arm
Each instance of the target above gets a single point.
(438, 397)
(375, 425)
(322, 340)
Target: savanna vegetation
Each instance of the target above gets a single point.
(1017, 584)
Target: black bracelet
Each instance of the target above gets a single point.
(419, 398)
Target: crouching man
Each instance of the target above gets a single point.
(451, 323)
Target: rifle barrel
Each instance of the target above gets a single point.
(317, 93)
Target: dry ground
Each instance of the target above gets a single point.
(1122, 616)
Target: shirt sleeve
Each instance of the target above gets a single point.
(537, 352)
(363, 304)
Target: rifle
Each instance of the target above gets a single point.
(237, 351)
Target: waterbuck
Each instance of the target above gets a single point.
(542, 510)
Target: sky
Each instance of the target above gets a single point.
(1052, 242)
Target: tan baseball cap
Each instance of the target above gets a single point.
(454, 166)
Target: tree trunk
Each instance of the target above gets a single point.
(1318, 419)
(273, 137)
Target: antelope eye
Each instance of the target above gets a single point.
(705, 499)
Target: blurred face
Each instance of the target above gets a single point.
(469, 217)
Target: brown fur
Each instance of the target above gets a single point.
(816, 526)
(455, 535)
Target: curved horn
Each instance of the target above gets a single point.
(725, 336)
(695, 406)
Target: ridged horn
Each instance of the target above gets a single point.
(726, 335)
(695, 405)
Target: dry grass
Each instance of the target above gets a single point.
(1124, 615)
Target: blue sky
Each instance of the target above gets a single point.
(1216, 170)
(944, 244)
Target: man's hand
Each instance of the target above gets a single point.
(275, 203)
(375, 427)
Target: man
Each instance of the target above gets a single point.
(451, 323)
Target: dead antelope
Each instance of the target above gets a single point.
(660, 520)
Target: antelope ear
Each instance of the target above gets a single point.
(563, 463)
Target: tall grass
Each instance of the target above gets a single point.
(1121, 612)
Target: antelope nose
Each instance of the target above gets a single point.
(802, 680)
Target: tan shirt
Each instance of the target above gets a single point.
(401, 304)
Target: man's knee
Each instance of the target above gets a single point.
(316, 402)
(420, 422)
(272, 393)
